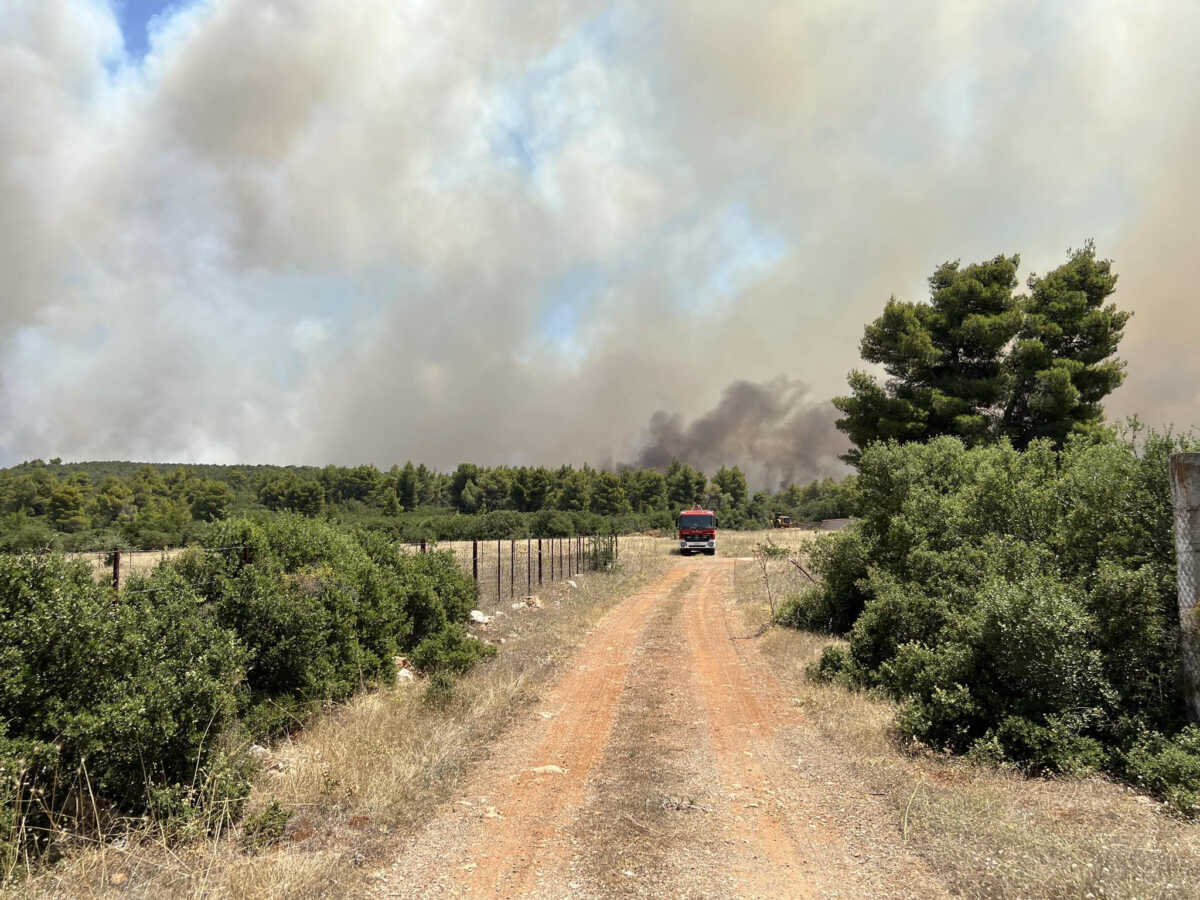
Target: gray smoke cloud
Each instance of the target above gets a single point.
(308, 232)
(775, 431)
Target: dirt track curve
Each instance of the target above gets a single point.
(667, 761)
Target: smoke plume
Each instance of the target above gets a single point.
(774, 430)
(304, 232)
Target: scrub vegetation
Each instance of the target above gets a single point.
(145, 704)
(1020, 605)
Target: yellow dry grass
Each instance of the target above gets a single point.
(133, 562)
(744, 543)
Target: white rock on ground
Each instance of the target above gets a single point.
(572, 583)
(478, 617)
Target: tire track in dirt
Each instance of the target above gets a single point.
(519, 834)
(744, 712)
(684, 771)
(784, 779)
(652, 793)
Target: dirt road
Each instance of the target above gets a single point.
(667, 761)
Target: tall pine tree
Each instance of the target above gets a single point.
(982, 364)
(944, 359)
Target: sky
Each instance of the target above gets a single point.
(535, 232)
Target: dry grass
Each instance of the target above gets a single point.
(367, 772)
(743, 543)
(985, 831)
(133, 562)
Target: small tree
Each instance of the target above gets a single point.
(764, 554)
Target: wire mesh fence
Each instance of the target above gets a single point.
(503, 570)
(509, 570)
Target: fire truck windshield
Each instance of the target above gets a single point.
(695, 522)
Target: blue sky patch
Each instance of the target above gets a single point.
(134, 17)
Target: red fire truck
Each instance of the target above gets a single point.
(697, 531)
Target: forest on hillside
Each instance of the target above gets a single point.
(98, 505)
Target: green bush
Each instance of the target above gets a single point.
(834, 665)
(145, 699)
(265, 827)
(1017, 668)
(123, 694)
(834, 603)
(322, 611)
(440, 691)
(450, 650)
(21, 534)
(1168, 767)
(1020, 605)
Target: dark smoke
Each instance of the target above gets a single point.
(774, 431)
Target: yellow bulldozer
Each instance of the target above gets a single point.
(782, 521)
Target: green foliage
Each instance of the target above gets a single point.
(1020, 604)
(833, 666)
(20, 533)
(140, 698)
(291, 492)
(833, 606)
(210, 500)
(440, 691)
(608, 496)
(1169, 767)
(125, 695)
(265, 827)
(322, 611)
(1062, 365)
(954, 367)
(685, 485)
(450, 650)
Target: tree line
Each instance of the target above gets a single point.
(75, 506)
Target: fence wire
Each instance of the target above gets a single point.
(506, 570)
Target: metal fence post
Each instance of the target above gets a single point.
(499, 570)
(1185, 492)
(423, 545)
(528, 570)
(475, 560)
(116, 568)
(539, 562)
(512, 569)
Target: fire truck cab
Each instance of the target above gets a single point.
(697, 532)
